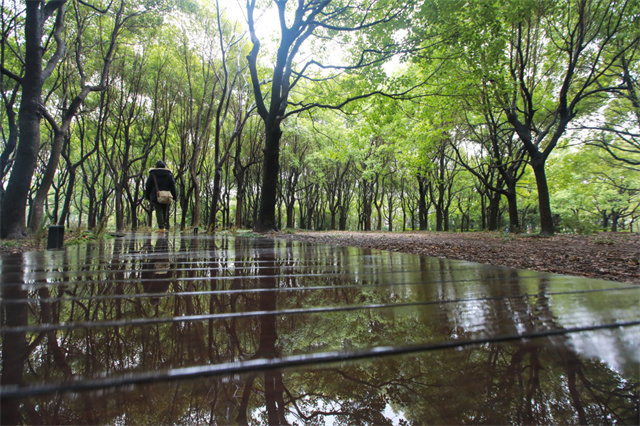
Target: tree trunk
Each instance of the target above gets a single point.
(240, 200)
(290, 216)
(615, 217)
(119, 208)
(366, 206)
(11, 141)
(512, 200)
(440, 209)
(68, 196)
(37, 206)
(544, 204)
(217, 190)
(270, 173)
(333, 218)
(423, 211)
(605, 220)
(195, 218)
(445, 219)
(344, 214)
(494, 209)
(14, 202)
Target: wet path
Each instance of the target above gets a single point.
(220, 330)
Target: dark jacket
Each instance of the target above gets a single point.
(166, 182)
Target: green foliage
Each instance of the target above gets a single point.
(589, 185)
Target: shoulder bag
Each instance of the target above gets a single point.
(164, 197)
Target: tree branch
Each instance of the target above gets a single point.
(11, 75)
(60, 45)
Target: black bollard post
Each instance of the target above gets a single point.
(56, 237)
(195, 231)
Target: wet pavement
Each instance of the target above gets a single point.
(202, 330)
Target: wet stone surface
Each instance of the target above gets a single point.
(185, 329)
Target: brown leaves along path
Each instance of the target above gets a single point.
(609, 256)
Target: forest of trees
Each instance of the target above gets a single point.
(447, 115)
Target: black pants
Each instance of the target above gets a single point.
(162, 214)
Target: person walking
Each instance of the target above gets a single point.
(160, 179)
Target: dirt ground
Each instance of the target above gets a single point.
(609, 256)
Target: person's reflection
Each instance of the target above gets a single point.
(156, 271)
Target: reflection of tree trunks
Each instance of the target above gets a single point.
(570, 366)
(196, 345)
(273, 385)
(585, 394)
(214, 306)
(533, 386)
(14, 348)
(52, 341)
(493, 365)
(244, 402)
(58, 354)
(530, 385)
(211, 346)
(273, 393)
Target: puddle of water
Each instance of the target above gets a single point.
(183, 329)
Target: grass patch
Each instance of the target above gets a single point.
(10, 243)
(604, 240)
(80, 236)
(249, 234)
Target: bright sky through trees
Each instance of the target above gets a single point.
(268, 30)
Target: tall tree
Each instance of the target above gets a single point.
(590, 36)
(32, 78)
(324, 19)
(9, 90)
(229, 75)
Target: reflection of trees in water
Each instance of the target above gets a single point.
(14, 345)
(528, 382)
(470, 386)
(511, 383)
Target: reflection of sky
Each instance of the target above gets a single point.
(471, 315)
(396, 418)
(616, 347)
